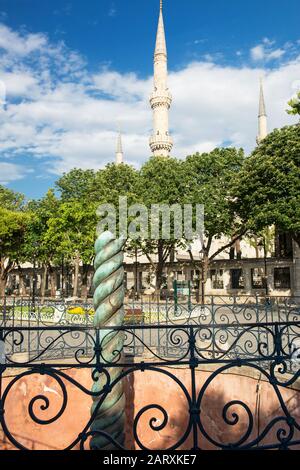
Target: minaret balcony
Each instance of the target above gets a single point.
(161, 142)
(158, 99)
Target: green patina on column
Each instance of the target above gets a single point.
(109, 311)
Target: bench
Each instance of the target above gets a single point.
(134, 316)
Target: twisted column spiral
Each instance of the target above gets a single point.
(109, 311)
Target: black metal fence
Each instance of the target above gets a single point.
(17, 311)
(41, 320)
(268, 349)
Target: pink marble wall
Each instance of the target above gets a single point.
(142, 389)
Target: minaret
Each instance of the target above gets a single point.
(119, 150)
(262, 117)
(161, 143)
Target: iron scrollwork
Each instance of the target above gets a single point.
(204, 354)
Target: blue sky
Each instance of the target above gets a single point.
(72, 71)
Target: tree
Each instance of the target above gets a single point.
(160, 181)
(102, 186)
(13, 224)
(294, 104)
(268, 187)
(37, 245)
(10, 199)
(114, 181)
(76, 184)
(72, 232)
(211, 179)
(255, 240)
(73, 229)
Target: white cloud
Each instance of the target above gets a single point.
(126, 87)
(18, 84)
(11, 172)
(258, 52)
(216, 57)
(219, 104)
(276, 54)
(266, 52)
(21, 45)
(58, 111)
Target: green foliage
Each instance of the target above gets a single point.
(13, 225)
(10, 199)
(76, 184)
(71, 230)
(36, 243)
(114, 181)
(268, 187)
(13, 222)
(294, 104)
(210, 181)
(102, 186)
(160, 181)
(12, 228)
(267, 236)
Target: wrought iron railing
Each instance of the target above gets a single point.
(16, 311)
(42, 319)
(217, 341)
(270, 350)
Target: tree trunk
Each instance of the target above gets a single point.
(76, 275)
(52, 281)
(159, 275)
(170, 280)
(3, 282)
(22, 290)
(160, 265)
(256, 246)
(84, 286)
(296, 237)
(204, 273)
(4, 271)
(43, 284)
(238, 249)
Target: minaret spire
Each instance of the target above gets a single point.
(161, 143)
(119, 150)
(262, 116)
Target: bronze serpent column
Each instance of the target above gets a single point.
(109, 311)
